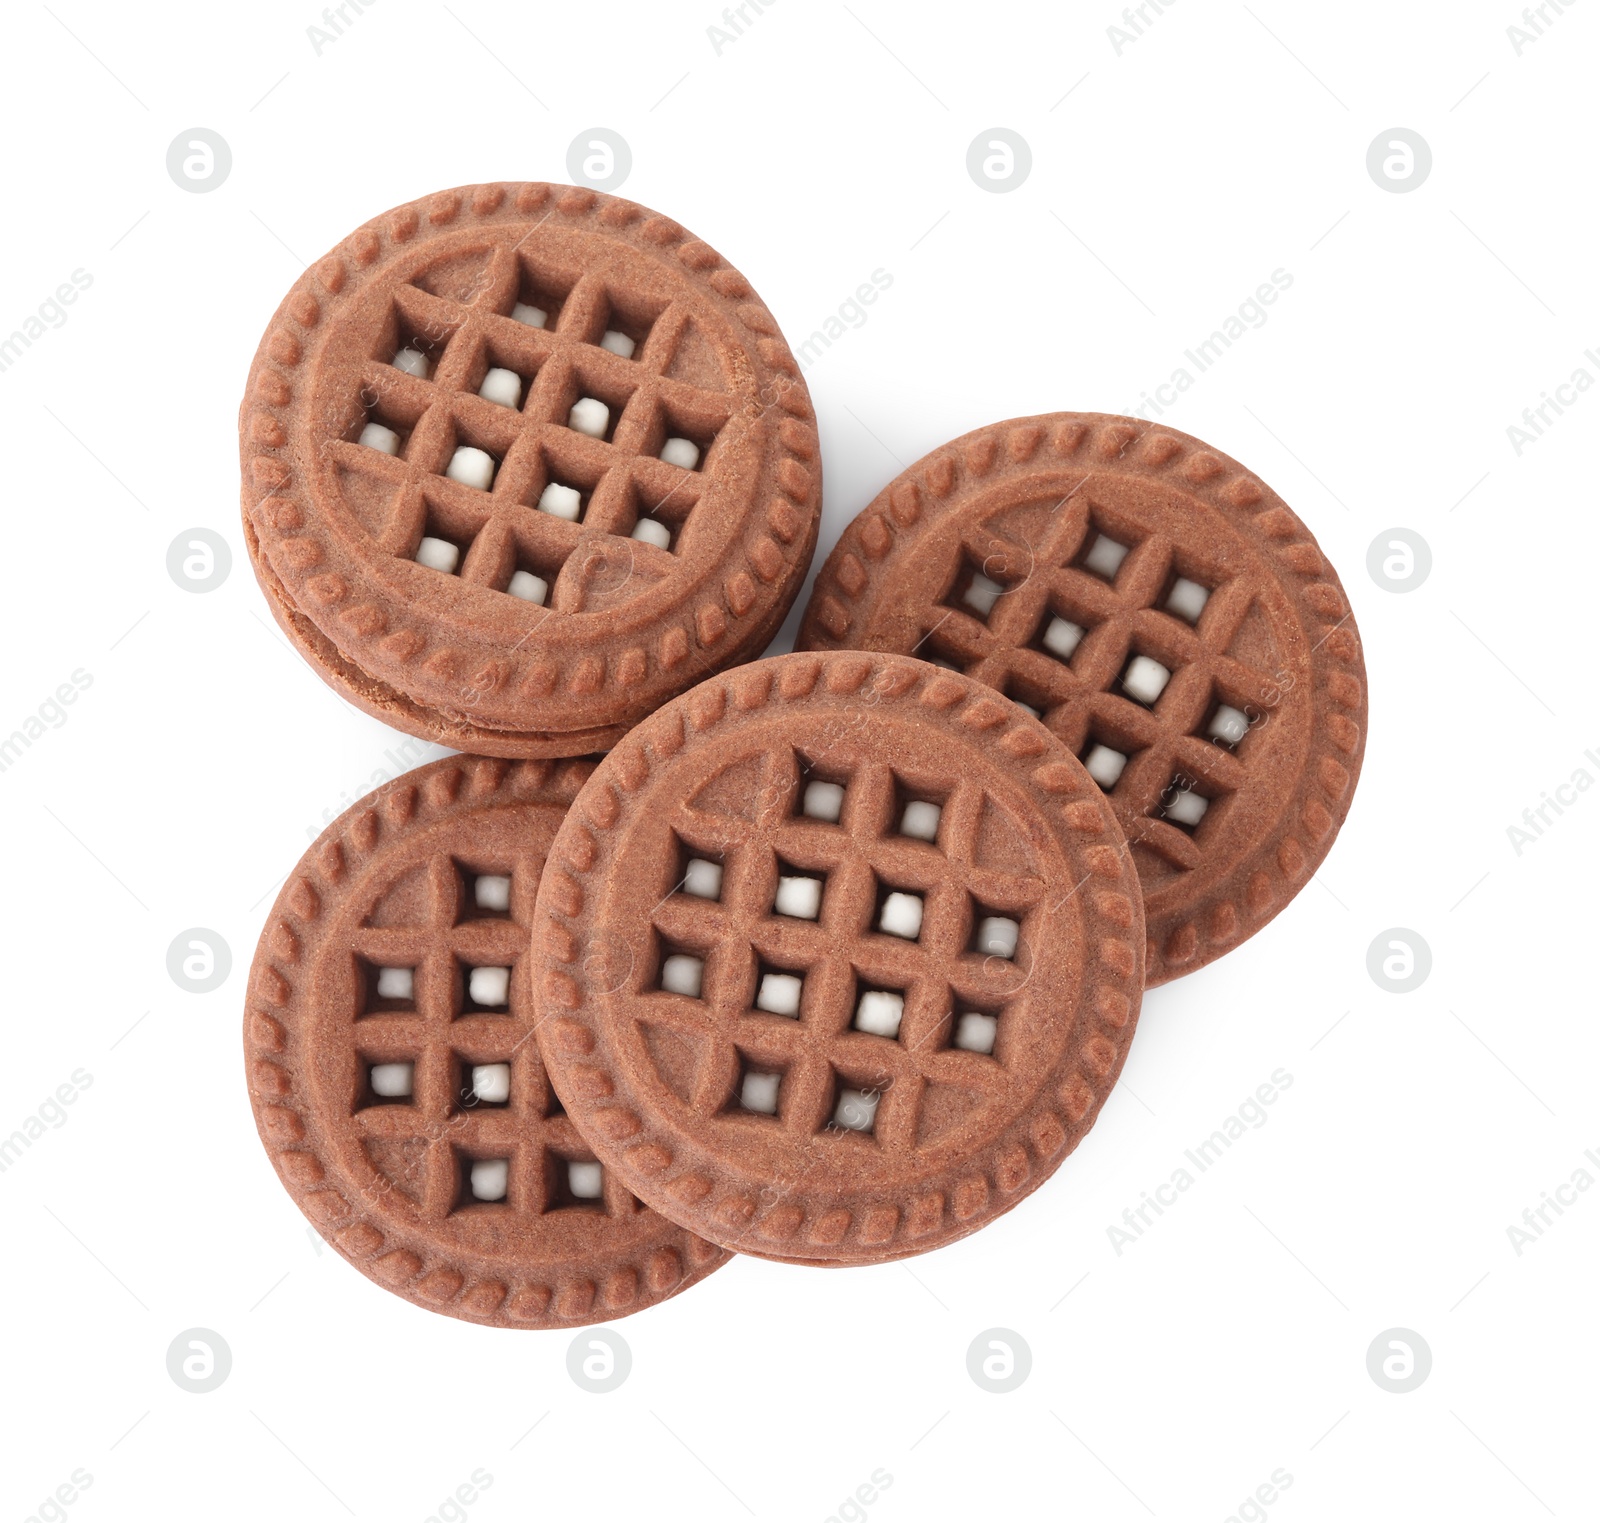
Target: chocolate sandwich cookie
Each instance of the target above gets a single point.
(1167, 617)
(395, 1079)
(837, 957)
(522, 462)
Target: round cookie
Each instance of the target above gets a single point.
(837, 957)
(520, 463)
(1170, 619)
(396, 1085)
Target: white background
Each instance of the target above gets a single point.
(827, 142)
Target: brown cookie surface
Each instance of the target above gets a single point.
(394, 1076)
(1169, 618)
(589, 474)
(837, 957)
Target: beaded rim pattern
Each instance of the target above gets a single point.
(658, 1162)
(472, 691)
(294, 1131)
(938, 485)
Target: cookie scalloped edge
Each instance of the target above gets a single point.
(285, 1117)
(1007, 1169)
(716, 622)
(1101, 441)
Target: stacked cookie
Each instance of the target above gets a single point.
(522, 462)
(835, 956)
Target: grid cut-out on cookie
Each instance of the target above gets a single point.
(486, 387)
(1123, 641)
(841, 1006)
(978, 589)
(465, 1090)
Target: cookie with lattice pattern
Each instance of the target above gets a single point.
(837, 957)
(523, 461)
(394, 1075)
(1169, 619)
